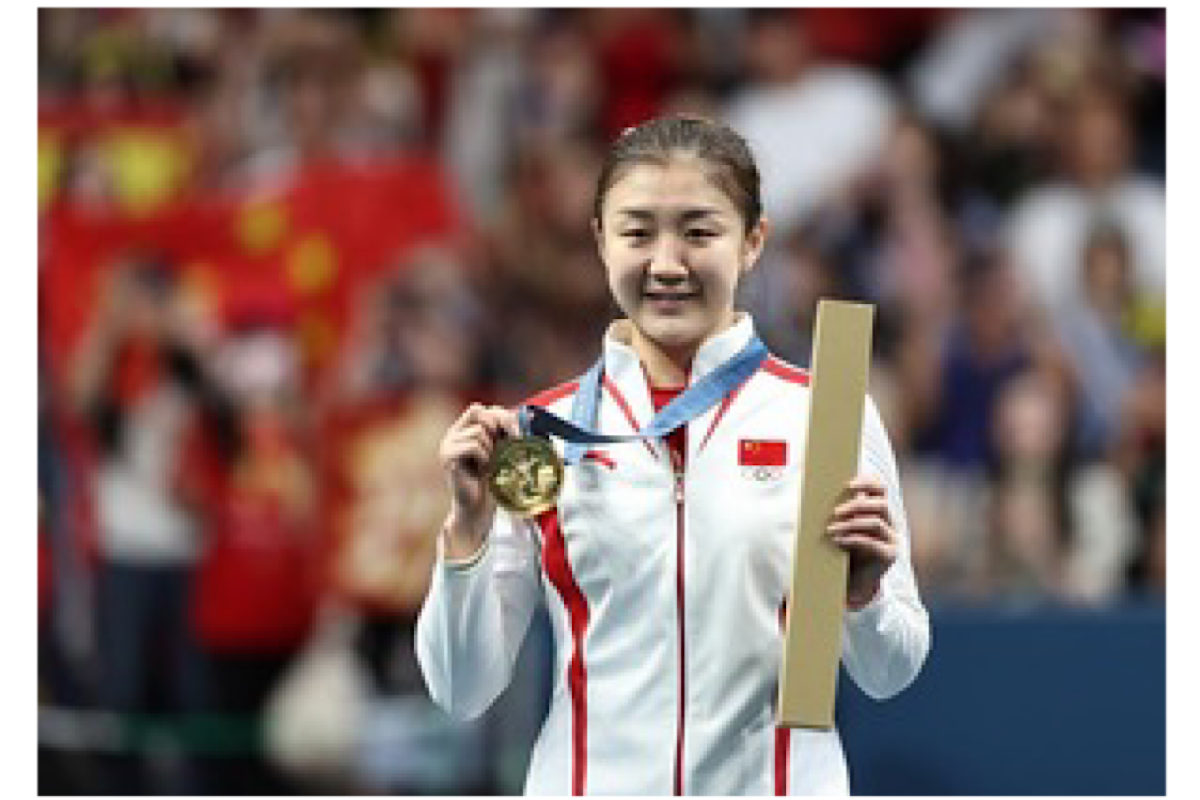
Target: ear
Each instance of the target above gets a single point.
(756, 239)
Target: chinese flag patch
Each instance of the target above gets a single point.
(761, 453)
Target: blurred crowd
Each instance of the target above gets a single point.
(238, 490)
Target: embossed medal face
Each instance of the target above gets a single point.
(525, 475)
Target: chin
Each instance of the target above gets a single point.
(674, 333)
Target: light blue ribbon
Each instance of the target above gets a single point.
(691, 403)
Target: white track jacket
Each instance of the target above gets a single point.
(666, 593)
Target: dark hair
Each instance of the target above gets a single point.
(657, 140)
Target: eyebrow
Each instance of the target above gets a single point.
(687, 215)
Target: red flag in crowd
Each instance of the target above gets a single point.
(308, 246)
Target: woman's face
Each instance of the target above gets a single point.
(674, 246)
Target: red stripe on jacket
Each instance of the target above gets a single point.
(558, 570)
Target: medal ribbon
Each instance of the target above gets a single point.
(689, 404)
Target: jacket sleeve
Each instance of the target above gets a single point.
(885, 642)
(475, 616)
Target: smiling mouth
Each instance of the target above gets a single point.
(670, 296)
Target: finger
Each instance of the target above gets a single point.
(480, 431)
(492, 418)
(502, 422)
(467, 430)
(469, 458)
(866, 546)
(511, 422)
(473, 445)
(865, 526)
(870, 484)
(477, 416)
(469, 416)
(483, 440)
(862, 505)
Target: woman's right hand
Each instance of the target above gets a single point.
(464, 454)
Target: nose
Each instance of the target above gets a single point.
(667, 263)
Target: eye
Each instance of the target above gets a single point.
(700, 233)
(636, 234)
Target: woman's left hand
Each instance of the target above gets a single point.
(862, 526)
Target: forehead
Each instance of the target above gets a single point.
(678, 183)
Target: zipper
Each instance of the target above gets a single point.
(679, 609)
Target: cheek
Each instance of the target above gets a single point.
(720, 273)
(624, 279)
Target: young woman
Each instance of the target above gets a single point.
(665, 562)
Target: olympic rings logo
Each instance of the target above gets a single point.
(762, 473)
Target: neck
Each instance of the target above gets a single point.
(666, 367)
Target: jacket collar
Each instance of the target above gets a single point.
(624, 368)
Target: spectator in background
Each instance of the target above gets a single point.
(483, 114)
(312, 65)
(914, 270)
(1049, 227)
(884, 237)
(985, 350)
(640, 54)
(1107, 366)
(413, 329)
(221, 98)
(1026, 548)
(562, 93)
(1007, 151)
(816, 125)
(972, 55)
(258, 583)
(432, 45)
(137, 377)
(1104, 357)
(548, 278)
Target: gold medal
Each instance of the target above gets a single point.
(525, 475)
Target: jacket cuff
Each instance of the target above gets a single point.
(460, 565)
(862, 609)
